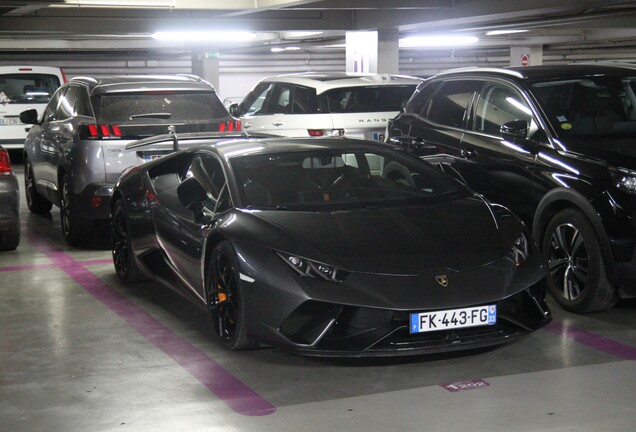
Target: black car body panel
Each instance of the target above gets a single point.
(386, 256)
(578, 148)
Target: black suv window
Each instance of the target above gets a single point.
(418, 104)
(279, 100)
(498, 104)
(158, 107)
(449, 104)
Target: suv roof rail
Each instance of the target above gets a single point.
(482, 69)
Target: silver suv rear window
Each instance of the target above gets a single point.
(158, 107)
(27, 88)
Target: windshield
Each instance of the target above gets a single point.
(158, 107)
(333, 180)
(590, 106)
(367, 99)
(27, 88)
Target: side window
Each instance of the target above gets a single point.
(207, 169)
(82, 103)
(498, 104)
(51, 108)
(449, 104)
(253, 102)
(279, 100)
(304, 101)
(418, 104)
(66, 108)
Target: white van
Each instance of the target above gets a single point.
(314, 104)
(23, 88)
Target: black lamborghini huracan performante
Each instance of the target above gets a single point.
(329, 247)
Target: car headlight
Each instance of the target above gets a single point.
(624, 179)
(313, 269)
(520, 250)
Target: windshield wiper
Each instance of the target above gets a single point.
(151, 115)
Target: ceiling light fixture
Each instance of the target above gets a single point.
(503, 32)
(204, 36)
(121, 3)
(281, 49)
(302, 34)
(437, 41)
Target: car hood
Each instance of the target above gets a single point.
(458, 235)
(616, 151)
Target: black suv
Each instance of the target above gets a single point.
(75, 152)
(557, 145)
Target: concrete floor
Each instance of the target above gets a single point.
(79, 351)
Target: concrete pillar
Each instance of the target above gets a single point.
(389, 52)
(362, 52)
(206, 65)
(526, 55)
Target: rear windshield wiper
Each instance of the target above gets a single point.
(151, 115)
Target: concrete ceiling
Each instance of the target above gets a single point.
(79, 25)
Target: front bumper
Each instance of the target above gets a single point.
(368, 315)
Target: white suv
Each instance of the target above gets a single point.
(23, 88)
(313, 104)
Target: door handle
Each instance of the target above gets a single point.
(469, 153)
(278, 123)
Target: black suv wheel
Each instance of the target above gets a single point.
(577, 277)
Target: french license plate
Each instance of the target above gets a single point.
(10, 121)
(153, 156)
(453, 318)
(378, 136)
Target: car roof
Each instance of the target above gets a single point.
(323, 81)
(237, 148)
(128, 83)
(546, 71)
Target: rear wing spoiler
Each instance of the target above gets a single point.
(197, 137)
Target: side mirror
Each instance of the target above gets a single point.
(515, 131)
(29, 116)
(191, 194)
(234, 110)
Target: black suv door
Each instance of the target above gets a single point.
(434, 120)
(502, 167)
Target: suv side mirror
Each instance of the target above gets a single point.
(515, 131)
(234, 110)
(29, 116)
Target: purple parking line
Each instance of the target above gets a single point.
(219, 381)
(592, 340)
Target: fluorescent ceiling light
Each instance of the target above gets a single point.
(302, 34)
(281, 49)
(122, 3)
(436, 41)
(503, 32)
(203, 36)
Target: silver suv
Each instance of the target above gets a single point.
(74, 154)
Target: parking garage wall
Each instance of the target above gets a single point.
(239, 72)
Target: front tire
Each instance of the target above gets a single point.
(35, 202)
(577, 276)
(122, 249)
(227, 301)
(76, 229)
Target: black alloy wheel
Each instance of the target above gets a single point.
(226, 300)
(76, 229)
(123, 259)
(35, 202)
(576, 270)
